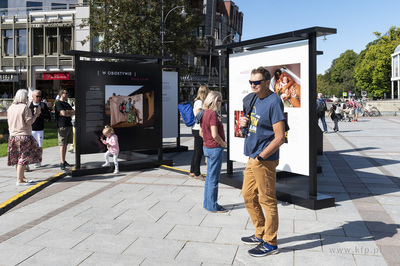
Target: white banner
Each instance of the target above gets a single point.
(289, 68)
(170, 104)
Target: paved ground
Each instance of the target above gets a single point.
(155, 216)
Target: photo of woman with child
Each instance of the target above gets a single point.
(286, 83)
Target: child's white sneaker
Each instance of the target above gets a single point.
(106, 164)
(116, 172)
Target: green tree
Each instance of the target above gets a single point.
(119, 27)
(373, 67)
(323, 84)
(342, 68)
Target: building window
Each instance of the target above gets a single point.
(55, 6)
(8, 42)
(20, 36)
(33, 6)
(3, 7)
(51, 35)
(38, 42)
(65, 40)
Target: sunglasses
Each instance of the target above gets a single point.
(257, 82)
(65, 92)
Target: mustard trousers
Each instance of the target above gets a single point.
(259, 194)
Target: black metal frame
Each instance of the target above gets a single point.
(139, 59)
(311, 199)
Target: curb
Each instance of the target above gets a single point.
(17, 199)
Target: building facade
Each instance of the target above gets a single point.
(396, 72)
(34, 38)
(222, 24)
(36, 34)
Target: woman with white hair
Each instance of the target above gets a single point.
(212, 131)
(22, 146)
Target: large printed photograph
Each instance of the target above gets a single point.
(286, 82)
(123, 95)
(289, 68)
(124, 108)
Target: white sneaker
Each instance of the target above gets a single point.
(106, 164)
(38, 165)
(116, 172)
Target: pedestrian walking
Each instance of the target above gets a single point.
(321, 109)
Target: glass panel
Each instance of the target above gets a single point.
(21, 42)
(55, 6)
(51, 34)
(65, 40)
(8, 42)
(38, 41)
(4, 7)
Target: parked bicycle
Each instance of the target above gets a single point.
(365, 111)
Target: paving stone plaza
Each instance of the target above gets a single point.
(155, 216)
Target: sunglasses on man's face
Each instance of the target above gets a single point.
(256, 82)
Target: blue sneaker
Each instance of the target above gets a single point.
(251, 240)
(263, 249)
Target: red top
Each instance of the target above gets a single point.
(209, 119)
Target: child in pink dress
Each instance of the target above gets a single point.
(112, 147)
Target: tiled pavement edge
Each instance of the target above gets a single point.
(155, 216)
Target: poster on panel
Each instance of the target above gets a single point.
(124, 95)
(289, 67)
(170, 104)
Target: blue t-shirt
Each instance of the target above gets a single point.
(266, 112)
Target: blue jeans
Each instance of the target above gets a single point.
(322, 117)
(214, 164)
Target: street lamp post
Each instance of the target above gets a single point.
(219, 54)
(219, 57)
(21, 64)
(163, 21)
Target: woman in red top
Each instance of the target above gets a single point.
(212, 131)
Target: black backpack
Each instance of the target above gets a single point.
(321, 106)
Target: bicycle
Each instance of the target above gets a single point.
(364, 111)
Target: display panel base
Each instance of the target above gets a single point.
(96, 168)
(294, 193)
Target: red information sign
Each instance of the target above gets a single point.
(56, 76)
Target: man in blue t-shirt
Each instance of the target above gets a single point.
(265, 135)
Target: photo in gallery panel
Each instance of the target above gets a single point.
(237, 131)
(126, 108)
(286, 82)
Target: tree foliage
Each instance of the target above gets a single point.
(369, 71)
(118, 27)
(373, 69)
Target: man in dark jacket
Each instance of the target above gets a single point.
(38, 125)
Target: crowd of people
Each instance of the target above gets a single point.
(261, 146)
(339, 111)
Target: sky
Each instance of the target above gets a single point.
(355, 21)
